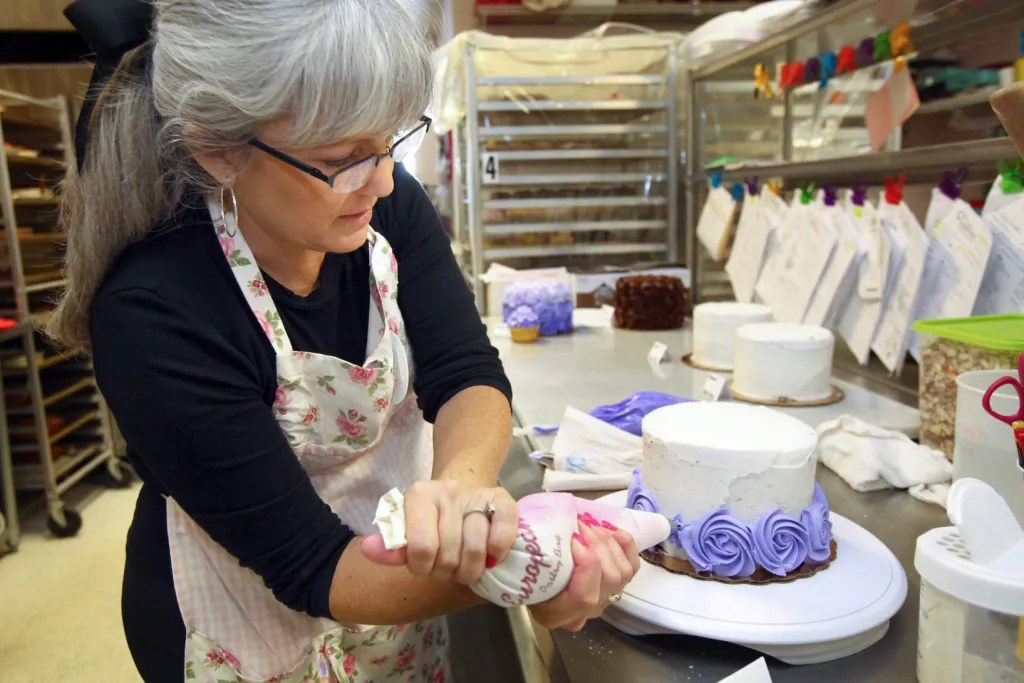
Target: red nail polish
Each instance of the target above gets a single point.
(589, 519)
(579, 539)
(491, 562)
(609, 526)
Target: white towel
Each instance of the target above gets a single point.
(869, 458)
(591, 455)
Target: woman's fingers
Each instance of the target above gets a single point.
(629, 551)
(583, 593)
(449, 530)
(504, 526)
(421, 519)
(475, 531)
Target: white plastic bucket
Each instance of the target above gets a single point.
(984, 446)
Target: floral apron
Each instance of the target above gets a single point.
(357, 431)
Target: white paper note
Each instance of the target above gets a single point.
(830, 295)
(961, 243)
(1002, 289)
(714, 385)
(857, 322)
(774, 258)
(757, 672)
(716, 221)
(872, 283)
(802, 263)
(749, 249)
(998, 200)
(891, 340)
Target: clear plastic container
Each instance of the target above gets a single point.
(962, 638)
(953, 347)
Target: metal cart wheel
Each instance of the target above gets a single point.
(64, 522)
(119, 473)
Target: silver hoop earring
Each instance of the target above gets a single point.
(234, 202)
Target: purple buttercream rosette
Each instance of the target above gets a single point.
(816, 520)
(781, 543)
(719, 543)
(550, 301)
(638, 497)
(522, 317)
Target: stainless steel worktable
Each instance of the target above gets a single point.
(596, 366)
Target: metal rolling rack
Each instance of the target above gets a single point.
(937, 24)
(568, 178)
(58, 424)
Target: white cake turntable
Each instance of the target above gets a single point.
(832, 614)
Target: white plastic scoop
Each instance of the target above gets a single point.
(987, 525)
(540, 564)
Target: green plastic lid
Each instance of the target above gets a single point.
(999, 332)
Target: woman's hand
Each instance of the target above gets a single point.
(449, 534)
(606, 559)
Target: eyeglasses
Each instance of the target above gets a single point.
(355, 175)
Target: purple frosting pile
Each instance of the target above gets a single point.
(723, 545)
(551, 301)
(522, 317)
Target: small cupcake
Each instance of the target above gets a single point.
(524, 324)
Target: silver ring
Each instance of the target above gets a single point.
(614, 598)
(487, 511)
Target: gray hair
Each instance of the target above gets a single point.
(211, 74)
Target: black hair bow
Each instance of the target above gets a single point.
(111, 28)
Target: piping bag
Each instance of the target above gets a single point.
(540, 563)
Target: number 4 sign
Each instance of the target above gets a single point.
(492, 169)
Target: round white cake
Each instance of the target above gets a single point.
(737, 483)
(781, 362)
(714, 331)
(699, 457)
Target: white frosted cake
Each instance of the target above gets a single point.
(784, 363)
(714, 331)
(737, 483)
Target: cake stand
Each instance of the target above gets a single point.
(832, 614)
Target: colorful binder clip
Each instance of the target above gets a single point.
(752, 186)
(792, 75)
(865, 53)
(807, 194)
(737, 192)
(899, 40)
(762, 83)
(716, 180)
(894, 189)
(847, 62)
(812, 70)
(860, 195)
(830, 195)
(775, 186)
(1011, 177)
(951, 183)
(829, 64)
(883, 50)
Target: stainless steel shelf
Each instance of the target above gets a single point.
(831, 15)
(574, 250)
(573, 80)
(573, 202)
(44, 286)
(664, 11)
(597, 129)
(578, 178)
(577, 154)
(572, 226)
(528, 106)
(920, 163)
(966, 99)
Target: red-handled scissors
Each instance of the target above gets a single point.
(1015, 420)
(1018, 386)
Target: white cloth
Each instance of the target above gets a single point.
(870, 458)
(591, 455)
(357, 433)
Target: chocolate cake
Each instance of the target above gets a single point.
(650, 302)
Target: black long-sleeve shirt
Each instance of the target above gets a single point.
(190, 378)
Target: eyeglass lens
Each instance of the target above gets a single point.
(357, 176)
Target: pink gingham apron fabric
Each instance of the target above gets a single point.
(358, 432)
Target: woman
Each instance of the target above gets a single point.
(255, 337)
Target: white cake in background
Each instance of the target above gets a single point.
(777, 361)
(714, 331)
